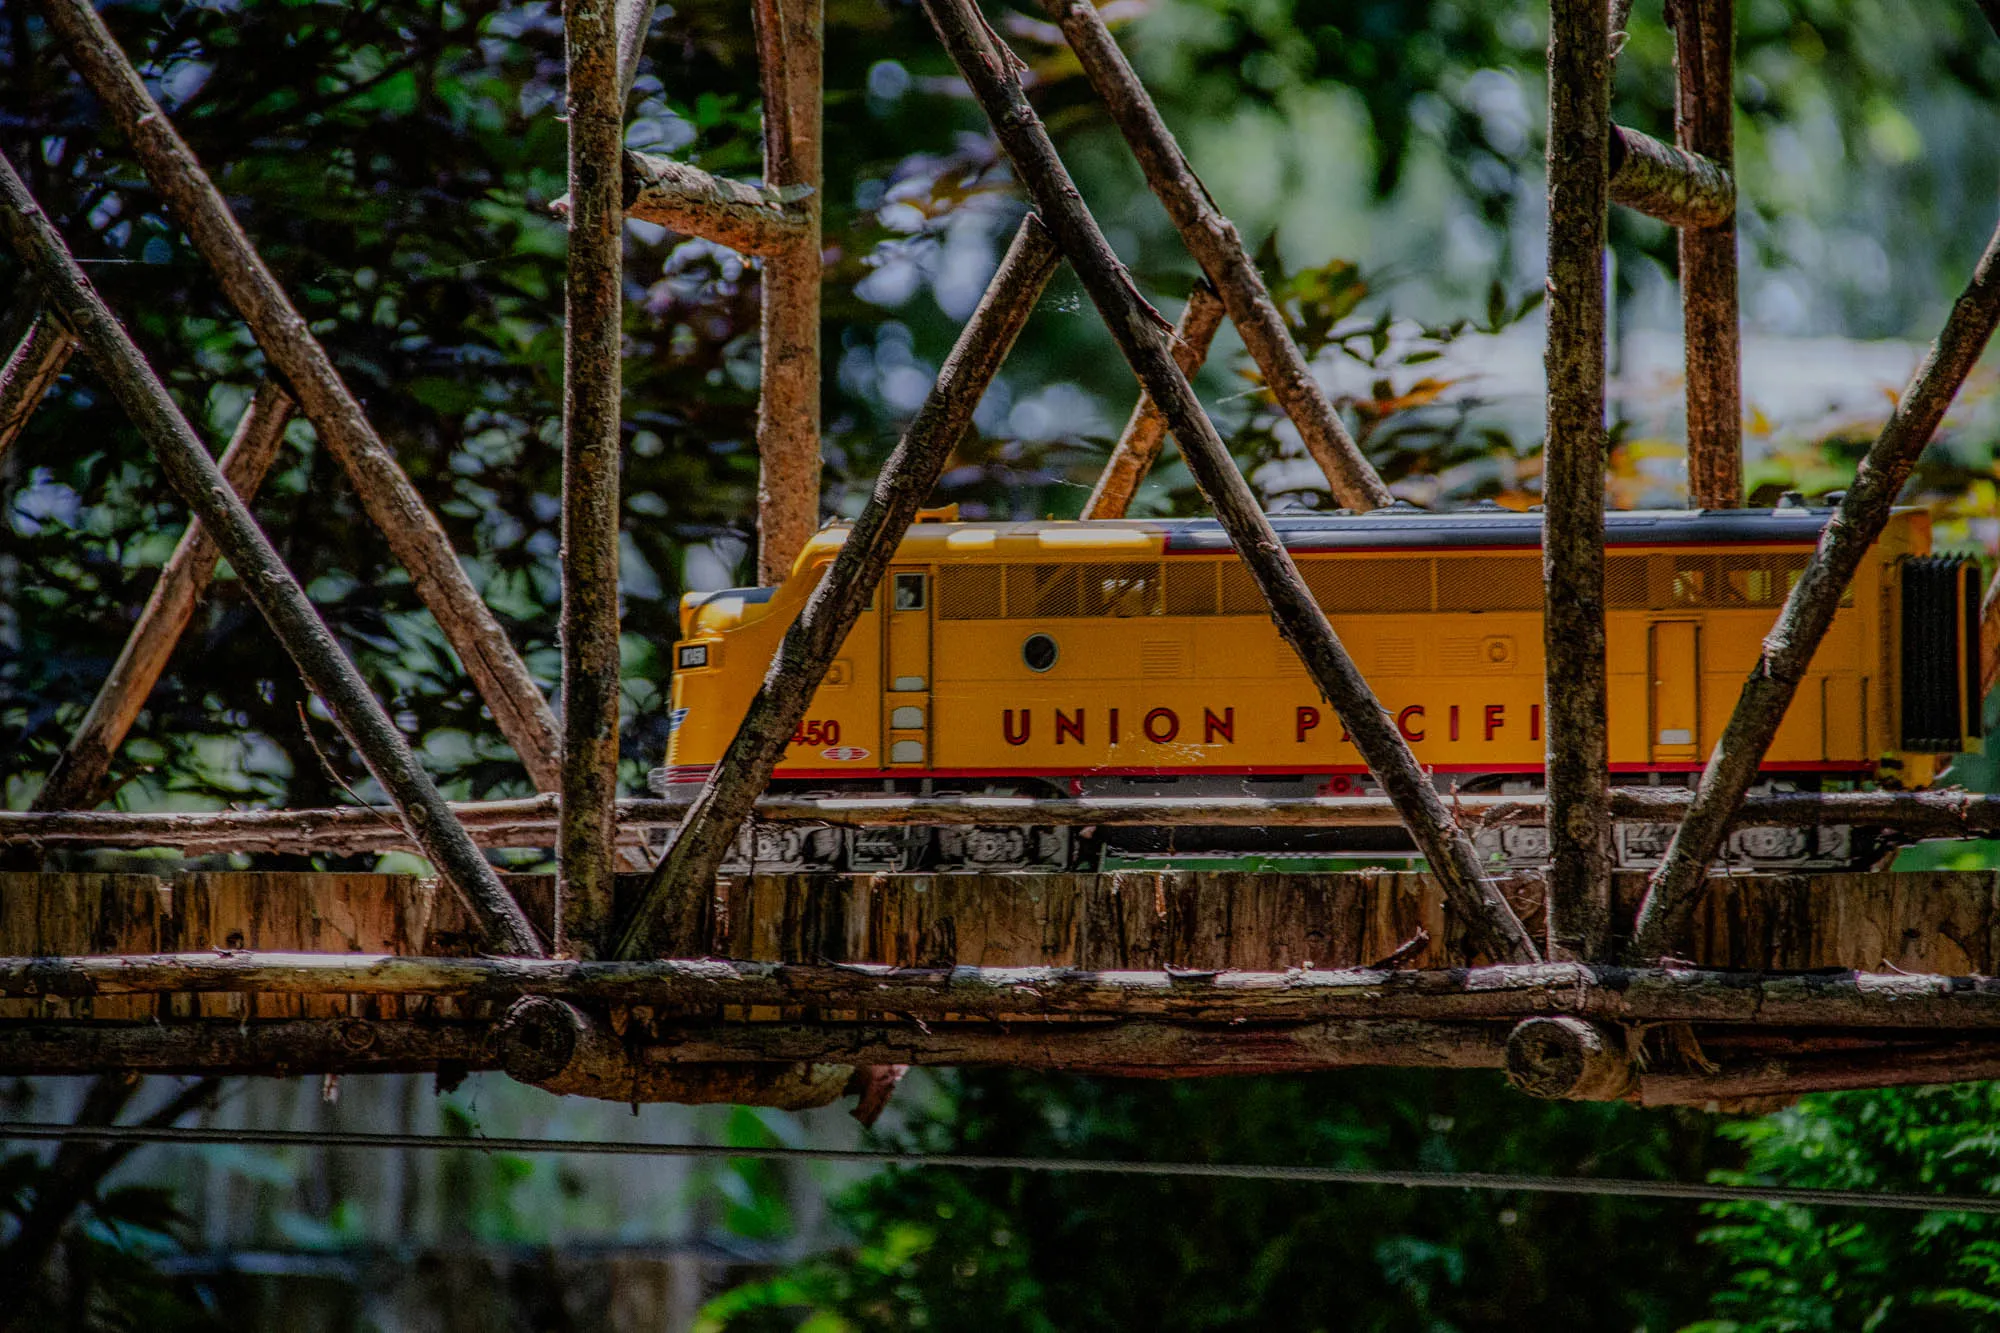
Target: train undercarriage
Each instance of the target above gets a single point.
(1019, 849)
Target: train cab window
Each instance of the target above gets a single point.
(909, 592)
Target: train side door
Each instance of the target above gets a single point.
(906, 667)
(1675, 675)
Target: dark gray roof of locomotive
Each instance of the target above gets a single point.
(1417, 528)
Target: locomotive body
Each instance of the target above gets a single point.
(1138, 657)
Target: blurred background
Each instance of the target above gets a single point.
(395, 161)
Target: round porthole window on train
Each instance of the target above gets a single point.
(1039, 652)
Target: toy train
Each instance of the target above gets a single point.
(1139, 658)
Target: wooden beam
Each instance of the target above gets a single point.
(1213, 240)
(1139, 444)
(392, 503)
(1575, 692)
(593, 328)
(1665, 915)
(1704, 125)
(791, 35)
(531, 821)
(1502, 993)
(77, 782)
(269, 583)
(677, 896)
(748, 219)
(1669, 183)
(31, 370)
(993, 74)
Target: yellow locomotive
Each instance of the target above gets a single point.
(1138, 658)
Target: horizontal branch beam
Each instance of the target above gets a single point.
(1508, 992)
(749, 219)
(531, 821)
(1680, 188)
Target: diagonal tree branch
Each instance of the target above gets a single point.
(276, 592)
(1578, 766)
(393, 504)
(668, 917)
(592, 328)
(1212, 239)
(77, 780)
(1139, 445)
(992, 72)
(1676, 888)
(634, 20)
(749, 219)
(29, 373)
(1669, 183)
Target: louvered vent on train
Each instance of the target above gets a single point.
(1940, 633)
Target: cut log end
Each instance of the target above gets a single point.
(1566, 1058)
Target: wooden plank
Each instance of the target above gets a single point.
(59, 914)
(290, 912)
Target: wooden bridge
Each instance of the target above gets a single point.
(1677, 988)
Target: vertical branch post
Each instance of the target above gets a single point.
(670, 912)
(393, 504)
(276, 592)
(993, 74)
(1139, 445)
(30, 371)
(1668, 910)
(77, 780)
(790, 36)
(593, 308)
(1213, 241)
(1704, 113)
(1578, 766)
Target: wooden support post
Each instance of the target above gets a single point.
(1678, 187)
(1213, 240)
(412, 531)
(1677, 885)
(77, 782)
(1139, 444)
(790, 38)
(1578, 765)
(594, 304)
(276, 592)
(1704, 124)
(30, 371)
(748, 219)
(670, 911)
(993, 74)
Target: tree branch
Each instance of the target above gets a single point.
(688, 200)
(392, 503)
(669, 913)
(77, 782)
(1578, 766)
(593, 326)
(29, 373)
(1669, 906)
(1680, 188)
(270, 585)
(1704, 125)
(1141, 336)
(1146, 431)
(1213, 240)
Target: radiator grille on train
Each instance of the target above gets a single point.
(1940, 654)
